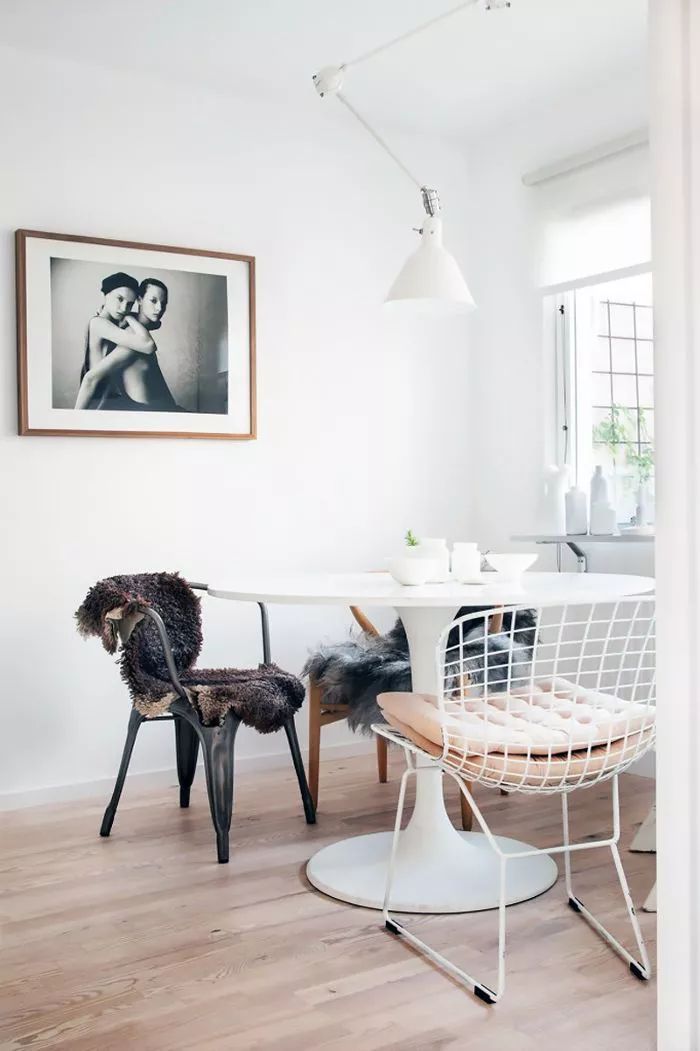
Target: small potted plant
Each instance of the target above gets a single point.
(412, 544)
(411, 567)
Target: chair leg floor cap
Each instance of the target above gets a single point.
(485, 994)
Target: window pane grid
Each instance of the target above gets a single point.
(607, 399)
(617, 315)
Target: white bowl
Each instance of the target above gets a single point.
(408, 569)
(510, 566)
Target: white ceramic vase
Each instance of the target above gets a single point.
(642, 511)
(603, 519)
(435, 549)
(599, 487)
(576, 512)
(553, 510)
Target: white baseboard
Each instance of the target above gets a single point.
(162, 778)
(645, 767)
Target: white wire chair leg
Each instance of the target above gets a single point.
(480, 990)
(640, 968)
(394, 845)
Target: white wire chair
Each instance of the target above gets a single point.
(559, 701)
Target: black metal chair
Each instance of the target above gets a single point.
(217, 741)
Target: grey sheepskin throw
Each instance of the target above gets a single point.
(264, 698)
(356, 671)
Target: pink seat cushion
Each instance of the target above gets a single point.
(548, 718)
(518, 771)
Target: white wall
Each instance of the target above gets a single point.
(367, 425)
(362, 421)
(510, 402)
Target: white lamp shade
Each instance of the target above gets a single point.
(430, 278)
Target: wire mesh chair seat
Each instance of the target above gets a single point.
(564, 705)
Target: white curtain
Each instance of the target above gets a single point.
(594, 220)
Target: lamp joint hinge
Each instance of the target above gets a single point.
(431, 200)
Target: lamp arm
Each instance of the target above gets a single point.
(379, 140)
(411, 33)
(329, 82)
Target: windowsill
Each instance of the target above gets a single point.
(585, 538)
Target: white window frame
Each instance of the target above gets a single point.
(574, 326)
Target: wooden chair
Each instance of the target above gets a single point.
(323, 714)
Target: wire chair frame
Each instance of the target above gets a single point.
(587, 687)
(602, 652)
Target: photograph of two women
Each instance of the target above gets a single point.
(154, 341)
(116, 338)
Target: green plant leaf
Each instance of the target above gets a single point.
(618, 433)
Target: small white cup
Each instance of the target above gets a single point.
(466, 563)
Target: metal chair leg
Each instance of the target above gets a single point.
(480, 990)
(217, 746)
(314, 702)
(186, 753)
(135, 720)
(309, 808)
(639, 965)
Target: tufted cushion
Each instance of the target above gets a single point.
(553, 717)
(518, 771)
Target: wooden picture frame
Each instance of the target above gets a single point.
(191, 374)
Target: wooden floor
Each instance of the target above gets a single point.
(143, 943)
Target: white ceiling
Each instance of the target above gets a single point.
(474, 70)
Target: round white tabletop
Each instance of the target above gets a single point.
(438, 869)
(380, 589)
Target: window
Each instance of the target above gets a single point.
(605, 390)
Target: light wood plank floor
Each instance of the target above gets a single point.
(142, 942)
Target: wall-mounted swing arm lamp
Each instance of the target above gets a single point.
(430, 279)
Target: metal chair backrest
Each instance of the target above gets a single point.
(557, 698)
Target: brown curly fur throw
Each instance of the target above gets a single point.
(264, 698)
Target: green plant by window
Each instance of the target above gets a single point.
(613, 431)
(618, 433)
(642, 463)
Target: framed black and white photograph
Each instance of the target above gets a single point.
(117, 338)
